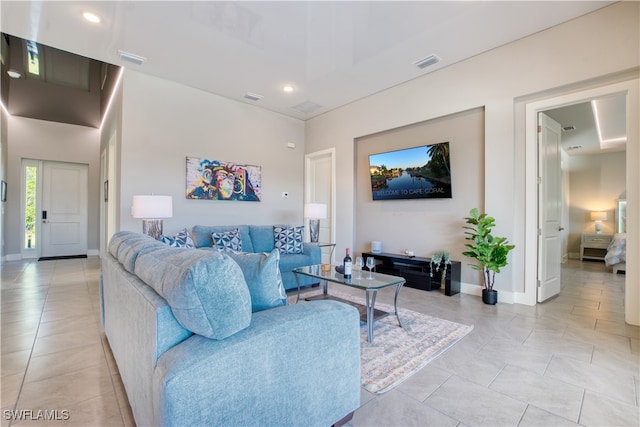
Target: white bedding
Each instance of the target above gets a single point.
(617, 250)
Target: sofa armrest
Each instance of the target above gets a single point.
(294, 365)
(314, 251)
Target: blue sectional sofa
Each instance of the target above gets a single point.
(203, 338)
(260, 238)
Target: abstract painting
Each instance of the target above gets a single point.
(219, 180)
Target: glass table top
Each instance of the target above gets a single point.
(359, 279)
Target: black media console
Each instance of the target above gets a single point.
(416, 271)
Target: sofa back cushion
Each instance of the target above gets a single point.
(206, 290)
(202, 235)
(262, 237)
(262, 274)
(125, 246)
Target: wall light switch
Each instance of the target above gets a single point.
(291, 144)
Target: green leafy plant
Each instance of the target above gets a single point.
(437, 260)
(490, 251)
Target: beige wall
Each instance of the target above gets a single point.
(396, 222)
(164, 122)
(587, 51)
(596, 182)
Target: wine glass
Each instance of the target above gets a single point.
(359, 264)
(371, 262)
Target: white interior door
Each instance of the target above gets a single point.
(550, 208)
(64, 209)
(320, 188)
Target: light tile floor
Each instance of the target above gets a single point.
(569, 361)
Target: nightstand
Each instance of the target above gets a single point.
(594, 246)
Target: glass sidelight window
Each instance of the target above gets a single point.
(30, 186)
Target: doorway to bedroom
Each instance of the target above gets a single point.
(592, 179)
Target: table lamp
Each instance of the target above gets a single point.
(315, 212)
(598, 217)
(151, 209)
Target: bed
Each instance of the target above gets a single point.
(617, 253)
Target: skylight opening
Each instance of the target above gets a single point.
(33, 58)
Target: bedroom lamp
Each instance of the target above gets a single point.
(315, 212)
(151, 209)
(598, 217)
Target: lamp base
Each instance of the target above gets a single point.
(314, 230)
(152, 228)
(598, 227)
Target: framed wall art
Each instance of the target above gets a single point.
(220, 180)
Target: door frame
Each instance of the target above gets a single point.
(308, 158)
(629, 88)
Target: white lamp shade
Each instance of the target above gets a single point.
(598, 216)
(152, 207)
(315, 210)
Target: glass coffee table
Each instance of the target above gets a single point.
(367, 281)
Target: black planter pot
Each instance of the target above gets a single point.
(489, 297)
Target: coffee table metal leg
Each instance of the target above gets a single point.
(371, 303)
(297, 283)
(395, 303)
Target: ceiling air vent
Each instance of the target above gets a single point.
(130, 57)
(574, 147)
(253, 96)
(568, 128)
(306, 107)
(426, 62)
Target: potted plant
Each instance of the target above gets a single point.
(490, 251)
(439, 259)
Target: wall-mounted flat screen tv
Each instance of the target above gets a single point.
(412, 173)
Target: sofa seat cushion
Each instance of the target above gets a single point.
(262, 274)
(206, 290)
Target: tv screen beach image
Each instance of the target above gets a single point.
(413, 173)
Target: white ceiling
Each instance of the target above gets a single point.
(599, 125)
(332, 53)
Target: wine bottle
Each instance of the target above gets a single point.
(347, 264)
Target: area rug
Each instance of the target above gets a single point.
(397, 353)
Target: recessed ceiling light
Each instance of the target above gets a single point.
(288, 88)
(14, 74)
(91, 17)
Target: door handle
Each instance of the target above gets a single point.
(560, 228)
(44, 217)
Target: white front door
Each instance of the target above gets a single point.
(63, 211)
(550, 208)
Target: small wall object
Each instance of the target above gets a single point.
(219, 180)
(3, 191)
